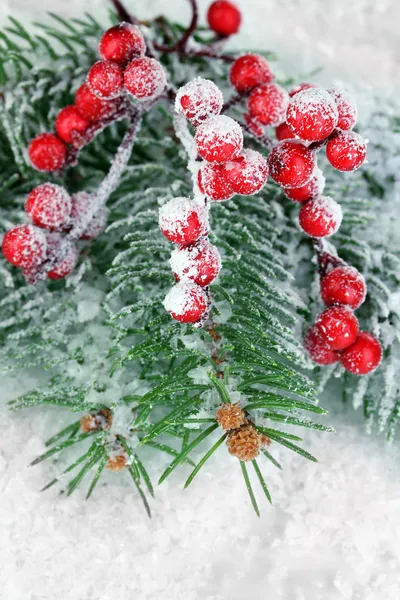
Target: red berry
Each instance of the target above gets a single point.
(186, 302)
(250, 70)
(92, 108)
(24, 246)
(291, 163)
(364, 356)
(317, 350)
(320, 217)
(268, 104)
(49, 206)
(300, 87)
(219, 139)
(183, 221)
(106, 79)
(346, 108)
(248, 173)
(310, 191)
(213, 182)
(47, 152)
(121, 43)
(68, 121)
(346, 151)
(343, 285)
(198, 100)
(255, 127)
(283, 132)
(224, 17)
(200, 263)
(337, 327)
(81, 205)
(64, 255)
(145, 78)
(312, 114)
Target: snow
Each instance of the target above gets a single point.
(219, 139)
(199, 99)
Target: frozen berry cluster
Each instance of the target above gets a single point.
(223, 169)
(123, 68)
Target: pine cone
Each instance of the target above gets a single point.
(97, 421)
(116, 463)
(230, 416)
(244, 443)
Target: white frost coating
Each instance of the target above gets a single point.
(50, 204)
(174, 215)
(219, 139)
(251, 172)
(195, 262)
(326, 210)
(145, 78)
(347, 109)
(29, 245)
(312, 111)
(184, 297)
(268, 103)
(199, 99)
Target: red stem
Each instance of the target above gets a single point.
(326, 261)
(123, 13)
(180, 45)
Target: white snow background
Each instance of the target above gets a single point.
(333, 530)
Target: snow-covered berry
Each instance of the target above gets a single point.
(68, 121)
(346, 151)
(343, 285)
(283, 132)
(24, 246)
(321, 217)
(291, 163)
(121, 43)
(186, 302)
(198, 100)
(81, 206)
(312, 114)
(183, 220)
(64, 255)
(213, 182)
(248, 173)
(224, 17)
(145, 78)
(200, 262)
(106, 79)
(317, 350)
(268, 104)
(255, 126)
(47, 152)
(337, 327)
(92, 108)
(347, 109)
(49, 206)
(364, 356)
(300, 87)
(219, 139)
(310, 191)
(250, 70)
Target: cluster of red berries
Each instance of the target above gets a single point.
(123, 68)
(335, 336)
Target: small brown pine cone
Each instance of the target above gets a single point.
(116, 463)
(97, 421)
(230, 416)
(244, 443)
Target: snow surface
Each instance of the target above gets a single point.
(333, 531)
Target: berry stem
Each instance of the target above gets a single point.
(180, 45)
(123, 13)
(233, 100)
(264, 140)
(326, 260)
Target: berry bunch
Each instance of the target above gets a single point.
(123, 68)
(222, 168)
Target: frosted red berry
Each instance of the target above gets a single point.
(364, 356)
(121, 43)
(346, 108)
(312, 114)
(24, 246)
(47, 152)
(69, 121)
(183, 221)
(81, 206)
(291, 163)
(198, 100)
(248, 173)
(145, 78)
(200, 263)
(337, 327)
(213, 182)
(310, 191)
(250, 70)
(283, 132)
(106, 79)
(268, 103)
(320, 217)
(186, 302)
(346, 151)
(219, 139)
(49, 206)
(224, 17)
(300, 87)
(92, 108)
(343, 285)
(317, 350)
(64, 256)
(255, 126)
